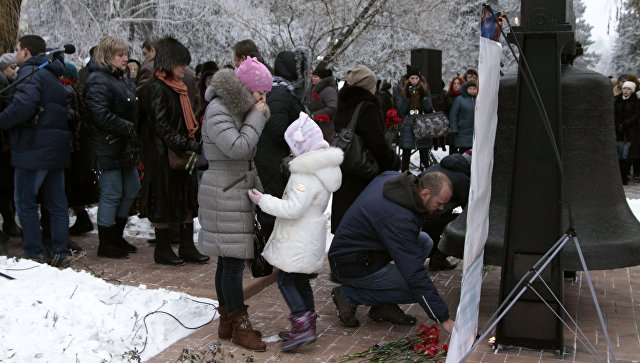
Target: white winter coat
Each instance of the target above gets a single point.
(298, 241)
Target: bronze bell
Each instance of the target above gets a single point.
(608, 232)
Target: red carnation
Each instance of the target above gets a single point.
(322, 118)
(315, 95)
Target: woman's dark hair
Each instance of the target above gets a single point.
(170, 53)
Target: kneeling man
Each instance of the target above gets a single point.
(383, 226)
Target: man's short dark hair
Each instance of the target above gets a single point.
(434, 181)
(246, 48)
(470, 71)
(34, 43)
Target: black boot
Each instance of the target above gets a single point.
(9, 226)
(3, 248)
(108, 247)
(82, 225)
(120, 241)
(163, 253)
(439, 262)
(187, 251)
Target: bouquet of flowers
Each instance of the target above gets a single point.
(419, 347)
(393, 120)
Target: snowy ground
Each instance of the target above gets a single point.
(52, 315)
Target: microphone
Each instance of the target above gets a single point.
(67, 49)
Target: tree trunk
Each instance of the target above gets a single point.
(9, 19)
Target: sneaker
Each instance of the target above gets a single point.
(392, 314)
(346, 311)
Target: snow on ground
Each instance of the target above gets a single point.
(52, 315)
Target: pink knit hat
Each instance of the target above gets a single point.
(304, 135)
(254, 75)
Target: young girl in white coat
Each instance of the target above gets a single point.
(297, 244)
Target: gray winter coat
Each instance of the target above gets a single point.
(230, 133)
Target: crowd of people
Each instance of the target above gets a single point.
(118, 132)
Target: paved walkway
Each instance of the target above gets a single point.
(618, 292)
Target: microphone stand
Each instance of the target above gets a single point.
(20, 80)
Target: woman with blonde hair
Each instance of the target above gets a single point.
(112, 142)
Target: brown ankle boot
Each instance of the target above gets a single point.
(242, 332)
(224, 324)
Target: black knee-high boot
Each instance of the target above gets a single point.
(188, 251)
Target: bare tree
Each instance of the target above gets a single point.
(9, 20)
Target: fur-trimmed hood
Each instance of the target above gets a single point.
(233, 94)
(323, 163)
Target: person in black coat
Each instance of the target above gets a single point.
(458, 168)
(360, 87)
(170, 195)
(8, 64)
(627, 117)
(112, 143)
(290, 69)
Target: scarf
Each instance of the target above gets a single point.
(187, 112)
(281, 82)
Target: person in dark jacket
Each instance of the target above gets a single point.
(113, 145)
(414, 100)
(323, 101)
(168, 195)
(627, 118)
(360, 88)
(383, 226)
(40, 140)
(447, 102)
(458, 168)
(290, 67)
(8, 65)
(461, 117)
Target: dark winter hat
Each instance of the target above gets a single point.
(322, 72)
(285, 65)
(209, 66)
(70, 71)
(412, 71)
(34, 43)
(170, 53)
(131, 60)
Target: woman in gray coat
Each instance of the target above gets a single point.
(234, 119)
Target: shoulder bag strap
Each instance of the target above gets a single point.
(350, 130)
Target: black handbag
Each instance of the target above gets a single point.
(430, 125)
(358, 159)
(259, 265)
(284, 166)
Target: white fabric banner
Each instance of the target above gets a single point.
(485, 124)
